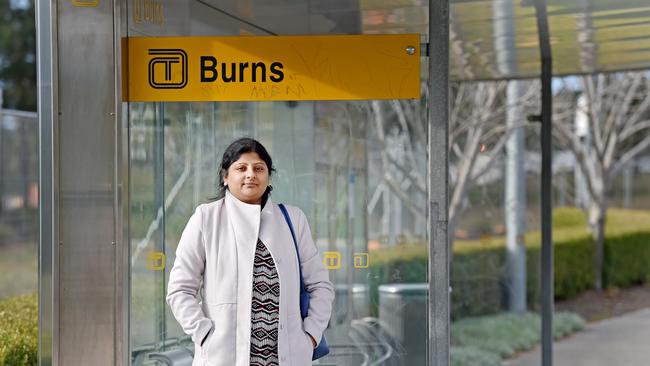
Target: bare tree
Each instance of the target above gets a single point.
(616, 108)
(477, 135)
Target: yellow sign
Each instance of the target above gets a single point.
(256, 68)
(332, 260)
(360, 260)
(85, 3)
(156, 261)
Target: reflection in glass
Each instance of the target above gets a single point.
(355, 171)
(18, 236)
(18, 203)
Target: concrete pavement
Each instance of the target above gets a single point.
(620, 341)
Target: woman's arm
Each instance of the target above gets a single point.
(185, 280)
(316, 280)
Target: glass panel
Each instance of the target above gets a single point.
(613, 311)
(487, 269)
(495, 221)
(18, 236)
(18, 203)
(329, 162)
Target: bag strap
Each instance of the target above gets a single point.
(285, 213)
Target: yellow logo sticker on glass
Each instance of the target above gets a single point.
(360, 260)
(332, 260)
(148, 11)
(156, 261)
(85, 3)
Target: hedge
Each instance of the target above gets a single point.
(478, 267)
(19, 331)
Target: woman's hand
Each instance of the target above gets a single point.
(313, 341)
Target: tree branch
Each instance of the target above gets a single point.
(629, 155)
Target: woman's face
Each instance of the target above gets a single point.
(247, 178)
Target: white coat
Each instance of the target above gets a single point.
(215, 255)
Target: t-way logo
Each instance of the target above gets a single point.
(168, 68)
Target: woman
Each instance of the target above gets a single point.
(240, 253)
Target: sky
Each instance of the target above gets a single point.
(570, 82)
(21, 4)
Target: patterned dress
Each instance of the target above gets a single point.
(265, 309)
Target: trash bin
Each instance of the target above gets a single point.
(360, 302)
(403, 311)
(174, 357)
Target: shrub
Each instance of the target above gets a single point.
(470, 356)
(626, 259)
(19, 331)
(505, 334)
(573, 268)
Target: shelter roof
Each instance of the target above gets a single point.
(497, 39)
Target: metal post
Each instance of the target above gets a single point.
(2, 155)
(515, 201)
(547, 242)
(349, 274)
(48, 252)
(121, 213)
(24, 172)
(77, 133)
(159, 199)
(438, 183)
(515, 179)
(582, 137)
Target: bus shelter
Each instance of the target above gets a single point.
(119, 177)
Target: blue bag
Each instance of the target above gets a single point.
(323, 348)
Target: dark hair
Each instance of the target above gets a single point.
(233, 152)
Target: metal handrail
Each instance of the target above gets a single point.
(370, 327)
(372, 343)
(139, 353)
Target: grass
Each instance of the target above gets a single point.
(568, 223)
(19, 330)
(19, 264)
(571, 223)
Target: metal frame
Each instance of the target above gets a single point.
(121, 209)
(546, 202)
(438, 341)
(98, 251)
(48, 254)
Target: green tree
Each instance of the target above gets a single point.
(18, 54)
